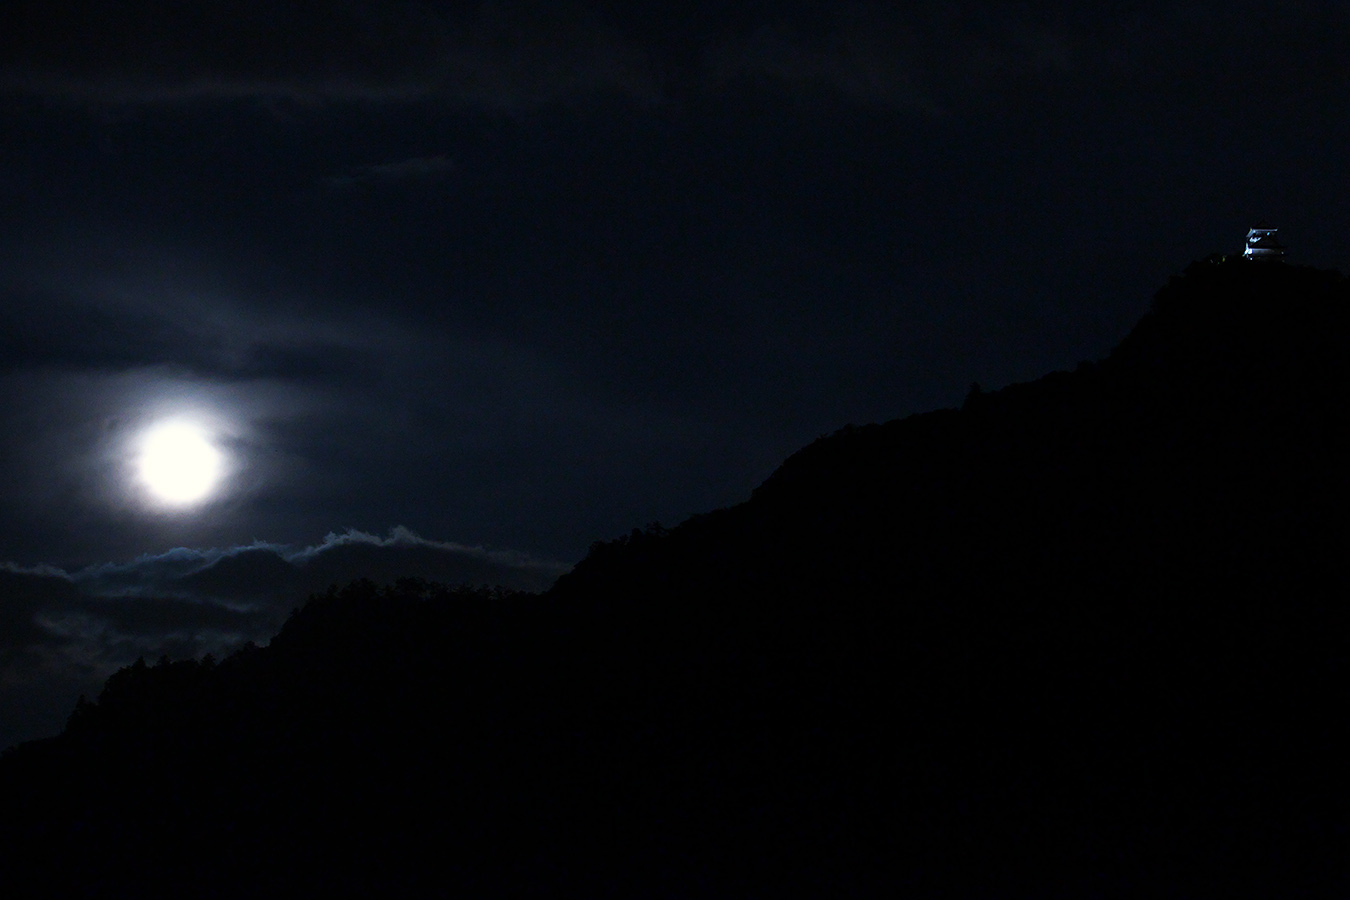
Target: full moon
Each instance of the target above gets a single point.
(178, 463)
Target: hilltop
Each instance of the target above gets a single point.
(1081, 636)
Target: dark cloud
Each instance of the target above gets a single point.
(247, 575)
(220, 47)
(500, 54)
(62, 633)
(42, 328)
(273, 574)
(27, 592)
(342, 557)
(41, 673)
(916, 55)
(514, 56)
(418, 169)
(253, 574)
(518, 55)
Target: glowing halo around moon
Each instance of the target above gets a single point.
(178, 464)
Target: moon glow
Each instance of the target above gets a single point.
(178, 464)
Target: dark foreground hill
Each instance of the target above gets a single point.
(1082, 637)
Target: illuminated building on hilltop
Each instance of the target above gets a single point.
(1263, 245)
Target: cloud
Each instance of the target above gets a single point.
(515, 55)
(26, 593)
(57, 642)
(263, 572)
(918, 55)
(41, 674)
(52, 328)
(62, 633)
(404, 551)
(276, 574)
(48, 329)
(506, 55)
(418, 169)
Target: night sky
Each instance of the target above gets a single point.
(455, 289)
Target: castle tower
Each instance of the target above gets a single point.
(1263, 245)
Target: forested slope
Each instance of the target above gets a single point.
(1083, 636)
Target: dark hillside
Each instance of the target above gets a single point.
(1081, 637)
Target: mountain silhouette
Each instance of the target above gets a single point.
(1081, 637)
